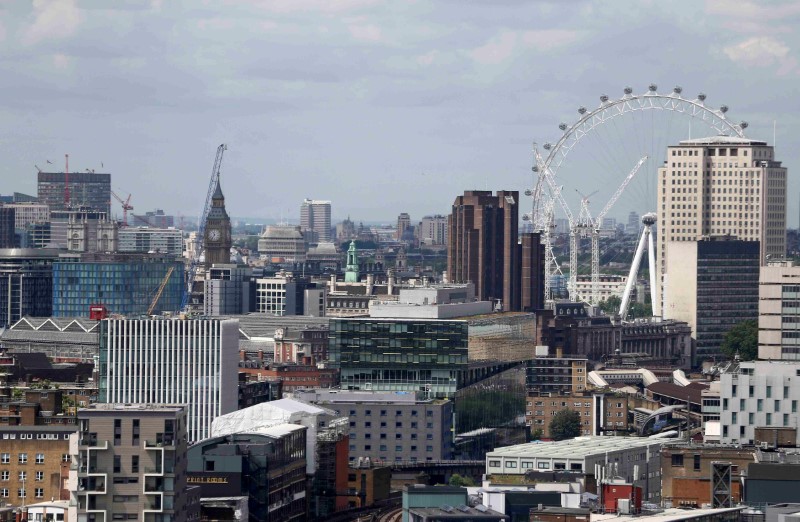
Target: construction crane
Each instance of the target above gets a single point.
(126, 206)
(160, 291)
(198, 240)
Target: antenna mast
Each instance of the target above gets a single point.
(66, 181)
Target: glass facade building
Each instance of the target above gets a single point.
(125, 285)
(399, 355)
(26, 283)
(85, 188)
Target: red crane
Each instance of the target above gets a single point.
(126, 206)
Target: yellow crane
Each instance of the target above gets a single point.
(160, 291)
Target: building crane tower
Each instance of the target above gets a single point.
(198, 241)
(126, 206)
(160, 291)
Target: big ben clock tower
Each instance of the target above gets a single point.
(217, 237)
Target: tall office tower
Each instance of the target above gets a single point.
(433, 230)
(130, 463)
(532, 254)
(634, 223)
(315, 217)
(7, 224)
(172, 361)
(217, 240)
(720, 186)
(26, 283)
(713, 285)
(482, 245)
(86, 189)
(403, 222)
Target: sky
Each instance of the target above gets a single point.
(380, 107)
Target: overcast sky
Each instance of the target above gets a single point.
(381, 107)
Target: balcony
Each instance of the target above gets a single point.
(92, 486)
(167, 442)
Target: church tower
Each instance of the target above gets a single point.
(352, 273)
(217, 238)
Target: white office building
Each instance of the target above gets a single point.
(146, 239)
(779, 312)
(315, 220)
(172, 361)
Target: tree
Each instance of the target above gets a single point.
(17, 393)
(461, 482)
(742, 339)
(537, 434)
(566, 424)
(611, 305)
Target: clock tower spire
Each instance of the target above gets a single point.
(217, 238)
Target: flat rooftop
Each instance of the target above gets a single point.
(577, 448)
(669, 515)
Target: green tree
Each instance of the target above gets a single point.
(742, 339)
(461, 482)
(537, 434)
(17, 393)
(611, 305)
(566, 424)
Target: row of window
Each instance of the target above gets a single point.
(414, 425)
(397, 436)
(511, 464)
(397, 449)
(22, 493)
(22, 458)
(5, 475)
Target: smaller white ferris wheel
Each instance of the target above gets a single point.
(549, 166)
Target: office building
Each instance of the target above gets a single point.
(433, 230)
(217, 240)
(620, 457)
(34, 463)
(634, 223)
(284, 294)
(8, 237)
(391, 427)
(228, 290)
(713, 286)
(779, 313)
(403, 224)
(431, 302)
(176, 361)
(126, 284)
(86, 189)
(130, 462)
(485, 248)
(282, 244)
(315, 220)
(154, 218)
(266, 465)
(720, 186)
(150, 240)
(26, 283)
(399, 354)
(600, 413)
(758, 394)
(27, 213)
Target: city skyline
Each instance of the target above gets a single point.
(415, 103)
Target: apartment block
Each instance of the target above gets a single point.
(129, 461)
(600, 413)
(556, 375)
(779, 312)
(173, 361)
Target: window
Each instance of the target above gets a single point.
(4, 492)
(134, 463)
(135, 434)
(117, 432)
(677, 460)
(23, 458)
(39, 492)
(526, 464)
(751, 391)
(383, 447)
(65, 457)
(21, 493)
(5, 475)
(398, 448)
(398, 424)
(697, 462)
(785, 419)
(39, 476)
(5, 458)
(210, 465)
(734, 418)
(769, 392)
(494, 463)
(117, 463)
(511, 464)
(40, 458)
(368, 424)
(429, 448)
(429, 436)
(759, 404)
(769, 419)
(543, 465)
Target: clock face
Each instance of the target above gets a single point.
(214, 234)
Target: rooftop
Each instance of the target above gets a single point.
(577, 448)
(131, 408)
(668, 515)
(722, 140)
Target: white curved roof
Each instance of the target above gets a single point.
(722, 140)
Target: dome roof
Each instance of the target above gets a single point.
(282, 232)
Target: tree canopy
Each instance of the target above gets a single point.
(565, 424)
(742, 338)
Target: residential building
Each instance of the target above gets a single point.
(315, 220)
(391, 427)
(267, 465)
(35, 408)
(433, 230)
(779, 312)
(758, 394)
(556, 375)
(34, 463)
(282, 244)
(719, 186)
(152, 240)
(294, 376)
(26, 283)
(399, 355)
(686, 472)
(217, 240)
(126, 284)
(130, 461)
(285, 294)
(636, 460)
(138, 364)
(600, 413)
(610, 285)
(713, 287)
(228, 290)
(86, 189)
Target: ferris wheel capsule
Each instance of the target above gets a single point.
(582, 110)
(535, 168)
(723, 109)
(701, 97)
(652, 87)
(528, 192)
(603, 98)
(547, 146)
(628, 90)
(744, 125)
(678, 89)
(562, 126)
(526, 217)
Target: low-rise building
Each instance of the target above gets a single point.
(600, 413)
(556, 375)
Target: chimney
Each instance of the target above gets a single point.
(390, 287)
(370, 282)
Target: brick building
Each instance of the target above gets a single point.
(599, 412)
